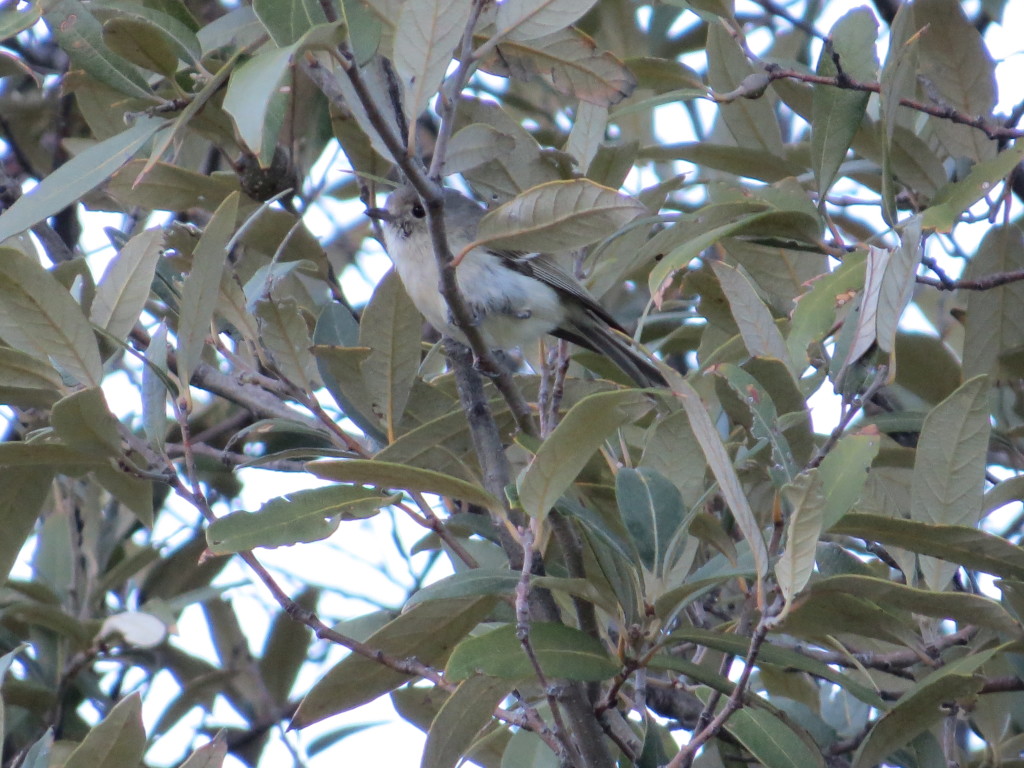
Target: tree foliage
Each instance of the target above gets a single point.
(692, 575)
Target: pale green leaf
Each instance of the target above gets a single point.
(474, 145)
(117, 741)
(652, 511)
(39, 317)
(391, 328)
(426, 36)
(78, 176)
(530, 19)
(154, 391)
(287, 22)
(806, 502)
(84, 422)
(557, 216)
(385, 475)
(572, 61)
(210, 755)
(285, 336)
(464, 714)
(303, 516)
(428, 632)
(960, 544)
(995, 324)
(569, 447)
(16, 18)
(588, 131)
(80, 34)
(124, 288)
(562, 652)
(844, 471)
(477, 581)
(724, 472)
(22, 492)
(756, 324)
(837, 112)
(956, 197)
(175, 32)
(527, 750)
(256, 99)
(200, 292)
(140, 43)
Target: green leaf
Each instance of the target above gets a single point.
(464, 714)
(124, 288)
(923, 706)
(562, 456)
(385, 475)
(426, 36)
(752, 122)
(815, 312)
(117, 741)
(22, 493)
(141, 43)
(783, 658)
(477, 581)
(558, 216)
(956, 197)
(963, 545)
(956, 606)
(956, 62)
(530, 19)
(210, 755)
(79, 175)
(84, 422)
(80, 34)
(806, 501)
(949, 469)
(844, 471)
(174, 31)
(285, 336)
(838, 112)
(561, 651)
(652, 511)
(994, 325)
(572, 60)
(426, 632)
(721, 467)
(772, 742)
(287, 22)
(527, 750)
(391, 328)
(15, 19)
(39, 317)
(154, 388)
(256, 100)
(303, 516)
(200, 292)
(757, 327)
(474, 145)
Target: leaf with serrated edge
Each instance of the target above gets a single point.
(806, 502)
(724, 472)
(569, 447)
(122, 291)
(530, 19)
(557, 216)
(199, 294)
(39, 317)
(425, 39)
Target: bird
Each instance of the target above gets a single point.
(514, 298)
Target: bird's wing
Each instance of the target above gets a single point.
(543, 267)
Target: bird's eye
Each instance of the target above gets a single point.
(417, 211)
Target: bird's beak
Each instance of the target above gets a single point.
(378, 214)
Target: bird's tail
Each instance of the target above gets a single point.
(598, 337)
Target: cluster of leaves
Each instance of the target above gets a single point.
(695, 560)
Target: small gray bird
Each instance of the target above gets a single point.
(515, 297)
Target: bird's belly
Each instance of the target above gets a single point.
(511, 309)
